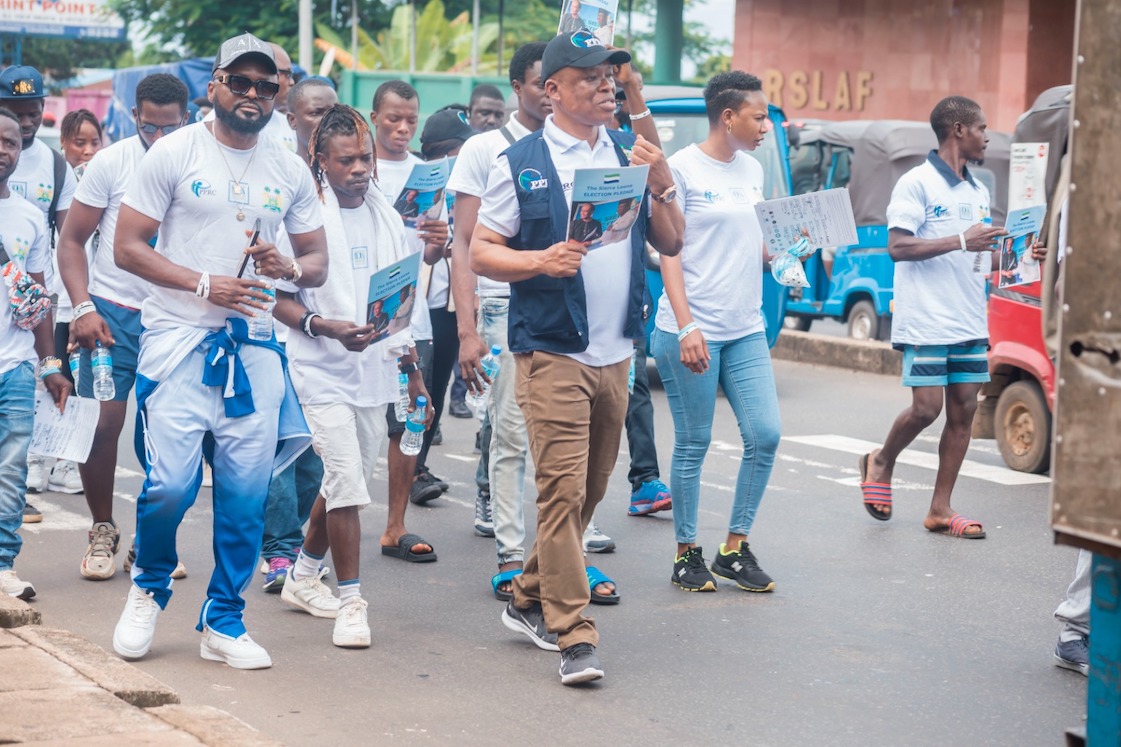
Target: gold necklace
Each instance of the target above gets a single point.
(237, 186)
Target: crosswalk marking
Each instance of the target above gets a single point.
(969, 468)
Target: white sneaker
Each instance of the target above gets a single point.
(65, 478)
(11, 585)
(597, 541)
(240, 653)
(36, 474)
(351, 627)
(311, 595)
(132, 638)
(98, 562)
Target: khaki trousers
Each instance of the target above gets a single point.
(574, 416)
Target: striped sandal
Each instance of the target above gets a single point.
(957, 526)
(875, 493)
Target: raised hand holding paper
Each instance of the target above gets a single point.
(826, 215)
(597, 16)
(605, 204)
(423, 193)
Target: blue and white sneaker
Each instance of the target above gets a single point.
(276, 574)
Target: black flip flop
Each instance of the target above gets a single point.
(403, 550)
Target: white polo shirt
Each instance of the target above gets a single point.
(469, 176)
(103, 187)
(24, 235)
(941, 300)
(606, 271)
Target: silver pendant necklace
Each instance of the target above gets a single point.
(237, 186)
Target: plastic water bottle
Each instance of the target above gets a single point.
(401, 406)
(413, 438)
(982, 261)
(75, 367)
(489, 364)
(103, 387)
(261, 324)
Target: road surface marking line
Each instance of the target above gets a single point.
(969, 468)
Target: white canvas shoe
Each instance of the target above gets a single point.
(132, 638)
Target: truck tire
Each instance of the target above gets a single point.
(1023, 427)
(864, 322)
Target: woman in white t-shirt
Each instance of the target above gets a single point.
(709, 328)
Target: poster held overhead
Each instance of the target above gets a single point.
(597, 16)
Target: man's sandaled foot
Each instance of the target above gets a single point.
(411, 548)
(877, 495)
(956, 526)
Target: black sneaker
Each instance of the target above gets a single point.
(424, 489)
(1074, 655)
(457, 408)
(690, 573)
(425, 476)
(742, 567)
(579, 664)
(531, 622)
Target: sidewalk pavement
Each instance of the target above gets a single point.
(869, 356)
(58, 688)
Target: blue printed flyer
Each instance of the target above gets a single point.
(391, 297)
(422, 197)
(597, 16)
(1016, 264)
(605, 204)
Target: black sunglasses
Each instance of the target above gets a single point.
(151, 129)
(240, 85)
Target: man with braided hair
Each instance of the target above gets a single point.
(344, 379)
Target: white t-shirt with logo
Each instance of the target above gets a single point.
(392, 176)
(722, 259)
(323, 371)
(941, 300)
(605, 271)
(33, 179)
(279, 129)
(469, 176)
(24, 234)
(186, 181)
(103, 186)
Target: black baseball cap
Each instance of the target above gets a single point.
(241, 46)
(579, 49)
(21, 82)
(446, 124)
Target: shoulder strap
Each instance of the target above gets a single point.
(59, 183)
(505, 130)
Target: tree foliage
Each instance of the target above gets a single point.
(43, 55)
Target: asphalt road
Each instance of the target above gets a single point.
(878, 633)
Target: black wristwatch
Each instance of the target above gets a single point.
(408, 368)
(305, 323)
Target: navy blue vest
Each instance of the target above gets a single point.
(551, 314)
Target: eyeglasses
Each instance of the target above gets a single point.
(240, 85)
(151, 129)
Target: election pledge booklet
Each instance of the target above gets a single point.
(391, 297)
(605, 204)
(597, 16)
(423, 193)
(1016, 264)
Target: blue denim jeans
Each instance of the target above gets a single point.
(742, 368)
(17, 414)
(291, 496)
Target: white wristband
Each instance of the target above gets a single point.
(641, 115)
(85, 307)
(203, 288)
(687, 330)
(961, 238)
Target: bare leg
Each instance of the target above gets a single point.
(99, 470)
(961, 404)
(344, 528)
(926, 405)
(317, 538)
(401, 472)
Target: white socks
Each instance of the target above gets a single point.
(306, 566)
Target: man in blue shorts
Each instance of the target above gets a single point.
(107, 299)
(942, 246)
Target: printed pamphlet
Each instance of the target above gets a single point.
(605, 204)
(1027, 167)
(597, 16)
(67, 435)
(391, 297)
(1016, 264)
(423, 193)
(826, 215)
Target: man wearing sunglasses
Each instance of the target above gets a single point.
(107, 299)
(202, 382)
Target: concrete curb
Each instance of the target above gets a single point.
(16, 613)
(212, 726)
(841, 352)
(108, 672)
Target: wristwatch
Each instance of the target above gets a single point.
(408, 368)
(666, 197)
(297, 272)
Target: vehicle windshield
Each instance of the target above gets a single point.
(679, 130)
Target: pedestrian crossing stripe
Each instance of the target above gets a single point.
(926, 460)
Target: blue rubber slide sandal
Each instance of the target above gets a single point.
(597, 577)
(502, 578)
